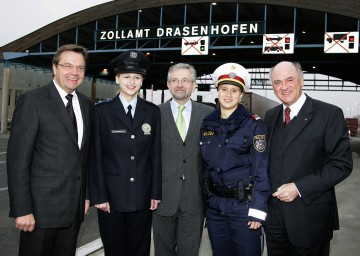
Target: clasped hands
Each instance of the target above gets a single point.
(106, 206)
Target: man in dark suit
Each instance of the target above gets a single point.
(178, 221)
(47, 159)
(309, 155)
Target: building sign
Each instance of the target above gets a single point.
(278, 44)
(195, 45)
(341, 42)
(231, 29)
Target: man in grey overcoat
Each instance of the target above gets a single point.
(178, 221)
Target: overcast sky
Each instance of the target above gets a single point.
(19, 18)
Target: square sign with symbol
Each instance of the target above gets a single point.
(278, 44)
(195, 45)
(341, 42)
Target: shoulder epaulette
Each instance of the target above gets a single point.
(256, 117)
(104, 101)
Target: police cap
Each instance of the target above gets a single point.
(232, 73)
(131, 61)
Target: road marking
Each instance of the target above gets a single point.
(89, 248)
(3, 189)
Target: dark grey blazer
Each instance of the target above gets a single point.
(181, 157)
(46, 169)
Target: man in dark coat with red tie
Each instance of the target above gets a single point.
(309, 155)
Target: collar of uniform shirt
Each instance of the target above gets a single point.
(125, 104)
(295, 108)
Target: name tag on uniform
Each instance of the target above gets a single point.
(118, 131)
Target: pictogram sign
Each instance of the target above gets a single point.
(278, 44)
(195, 45)
(341, 42)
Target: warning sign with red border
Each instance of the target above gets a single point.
(195, 45)
(278, 44)
(341, 42)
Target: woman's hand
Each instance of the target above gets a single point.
(254, 224)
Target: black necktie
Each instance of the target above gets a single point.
(70, 110)
(129, 113)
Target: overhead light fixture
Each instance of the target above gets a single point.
(213, 53)
(104, 72)
(251, 42)
(214, 3)
(148, 54)
(313, 67)
(304, 32)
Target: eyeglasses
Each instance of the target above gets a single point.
(183, 81)
(69, 66)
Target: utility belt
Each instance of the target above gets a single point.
(241, 192)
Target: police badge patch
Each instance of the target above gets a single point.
(259, 143)
(146, 128)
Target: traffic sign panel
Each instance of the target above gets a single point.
(278, 44)
(195, 45)
(341, 42)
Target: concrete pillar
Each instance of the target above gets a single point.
(5, 97)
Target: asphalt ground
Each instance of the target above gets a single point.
(345, 241)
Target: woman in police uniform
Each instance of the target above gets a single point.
(235, 168)
(125, 161)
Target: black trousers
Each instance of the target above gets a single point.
(50, 241)
(125, 233)
(277, 240)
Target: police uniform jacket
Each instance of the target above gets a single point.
(234, 149)
(125, 157)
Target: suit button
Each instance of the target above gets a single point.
(132, 157)
(184, 144)
(184, 161)
(132, 179)
(132, 136)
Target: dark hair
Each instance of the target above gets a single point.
(69, 47)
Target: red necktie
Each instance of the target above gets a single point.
(287, 116)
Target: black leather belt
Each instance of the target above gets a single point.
(224, 192)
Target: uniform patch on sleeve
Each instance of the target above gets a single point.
(259, 143)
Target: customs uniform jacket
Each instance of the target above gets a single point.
(125, 158)
(234, 149)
